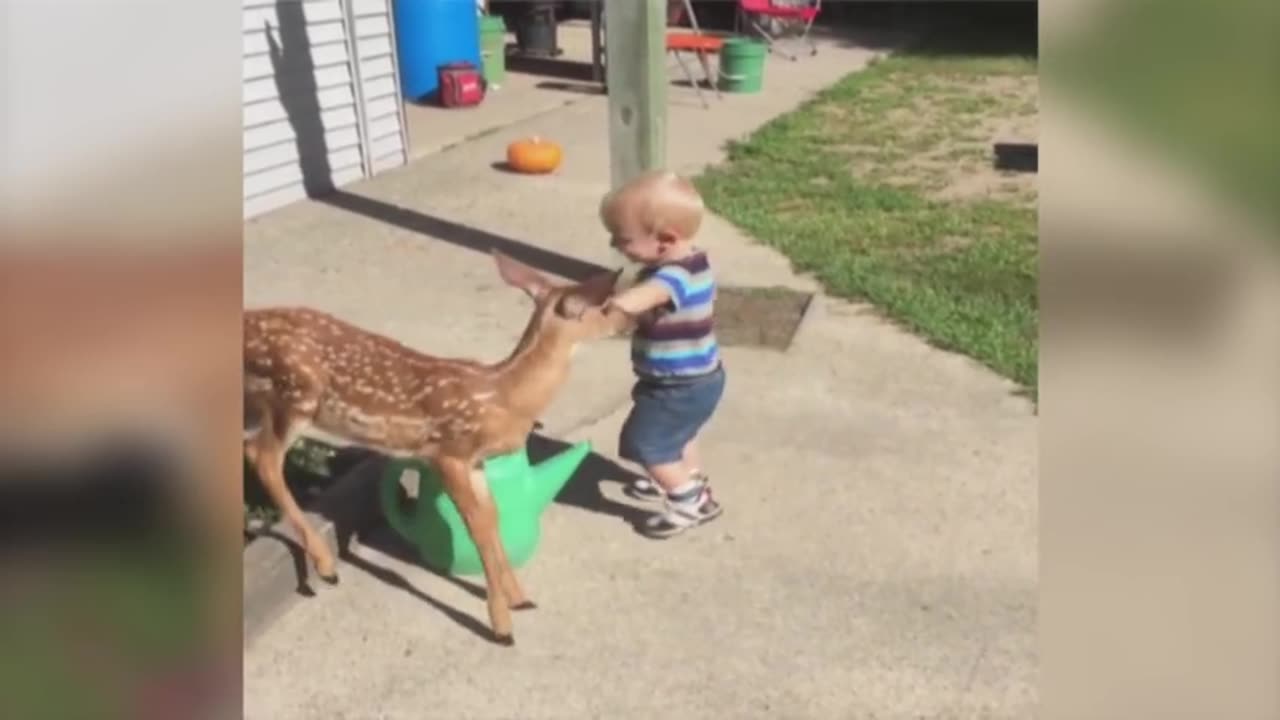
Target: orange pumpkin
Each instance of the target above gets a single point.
(533, 155)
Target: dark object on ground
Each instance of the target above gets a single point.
(1017, 157)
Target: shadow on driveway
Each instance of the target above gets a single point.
(463, 236)
(356, 512)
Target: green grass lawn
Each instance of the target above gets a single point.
(882, 188)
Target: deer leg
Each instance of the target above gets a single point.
(516, 599)
(482, 524)
(267, 453)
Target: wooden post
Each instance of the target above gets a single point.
(635, 71)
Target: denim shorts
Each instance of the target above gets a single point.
(666, 415)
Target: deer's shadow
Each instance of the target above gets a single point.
(386, 541)
(369, 529)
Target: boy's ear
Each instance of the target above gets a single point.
(517, 274)
(666, 236)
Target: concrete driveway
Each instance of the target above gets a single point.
(877, 555)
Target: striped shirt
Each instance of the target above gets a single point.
(678, 341)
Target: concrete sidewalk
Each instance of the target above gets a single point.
(877, 556)
(406, 253)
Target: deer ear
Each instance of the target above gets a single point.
(517, 274)
(597, 288)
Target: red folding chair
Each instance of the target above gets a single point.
(693, 43)
(779, 21)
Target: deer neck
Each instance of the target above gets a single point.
(529, 377)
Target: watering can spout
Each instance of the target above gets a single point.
(551, 475)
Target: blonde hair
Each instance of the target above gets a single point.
(654, 201)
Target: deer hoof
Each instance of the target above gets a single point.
(330, 579)
(504, 640)
(526, 605)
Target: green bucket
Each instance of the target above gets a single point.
(493, 49)
(742, 65)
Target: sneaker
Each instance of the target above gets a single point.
(679, 517)
(646, 489)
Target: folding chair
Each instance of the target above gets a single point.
(781, 16)
(694, 42)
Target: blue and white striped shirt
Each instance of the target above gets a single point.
(678, 341)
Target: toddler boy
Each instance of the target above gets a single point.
(679, 375)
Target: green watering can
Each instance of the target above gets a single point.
(520, 491)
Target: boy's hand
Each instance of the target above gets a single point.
(619, 320)
(641, 298)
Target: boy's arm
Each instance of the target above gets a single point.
(641, 298)
(623, 309)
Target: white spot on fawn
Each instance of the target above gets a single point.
(254, 383)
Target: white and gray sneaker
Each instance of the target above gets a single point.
(646, 489)
(681, 514)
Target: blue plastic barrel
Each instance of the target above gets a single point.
(431, 33)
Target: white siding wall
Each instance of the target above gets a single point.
(374, 43)
(300, 111)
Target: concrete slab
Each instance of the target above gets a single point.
(432, 129)
(406, 253)
(877, 557)
(276, 571)
(521, 95)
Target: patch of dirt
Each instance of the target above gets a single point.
(759, 316)
(951, 243)
(942, 140)
(766, 317)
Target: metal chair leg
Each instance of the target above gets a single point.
(706, 73)
(807, 37)
(780, 44)
(771, 43)
(697, 87)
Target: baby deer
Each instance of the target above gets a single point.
(307, 373)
